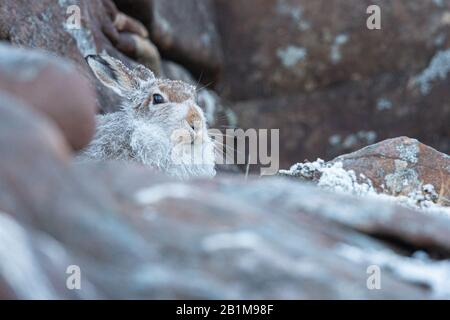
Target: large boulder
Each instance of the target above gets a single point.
(329, 122)
(278, 47)
(53, 87)
(402, 166)
(40, 195)
(400, 169)
(183, 30)
(74, 29)
(315, 71)
(135, 234)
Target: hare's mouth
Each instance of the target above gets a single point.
(188, 136)
(198, 150)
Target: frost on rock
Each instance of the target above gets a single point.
(305, 170)
(418, 269)
(333, 177)
(336, 178)
(424, 199)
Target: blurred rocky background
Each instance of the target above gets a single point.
(313, 68)
(309, 68)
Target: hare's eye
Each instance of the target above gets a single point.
(158, 99)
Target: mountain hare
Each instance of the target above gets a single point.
(159, 124)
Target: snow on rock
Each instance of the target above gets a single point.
(331, 176)
(403, 183)
(336, 178)
(418, 269)
(124, 224)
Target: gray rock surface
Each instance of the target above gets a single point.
(314, 70)
(285, 46)
(53, 87)
(184, 31)
(347, 117)
(136, 234)
(401, 166)
(47, 25)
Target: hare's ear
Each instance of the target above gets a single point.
(113, 74)
(144, 73)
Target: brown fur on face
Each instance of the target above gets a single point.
(193, 118)
(176, 91)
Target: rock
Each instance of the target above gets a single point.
(40, 196)
(174, 71)
(279, 47)
(183, 30)
(129, 230)
(327, 82)
(135, 234)
(6, 293)
(41, 137)
(148, 55)
(53, 27)
(388, 93)
(53, 87)
(402, 166)
(140, 9)
(330, 122)
(41, 134)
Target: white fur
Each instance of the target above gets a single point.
(155, 135)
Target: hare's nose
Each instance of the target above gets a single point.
(193, 119)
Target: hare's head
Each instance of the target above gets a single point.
(168, 128)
